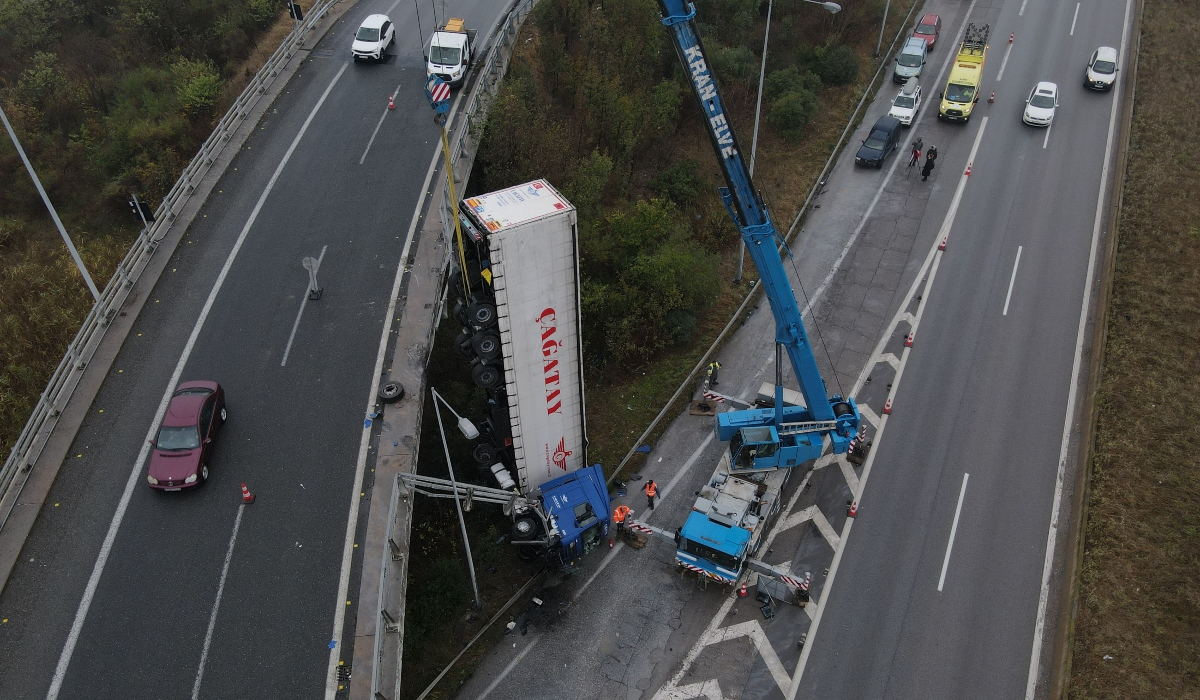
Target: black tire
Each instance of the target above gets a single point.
(391, 392)
(486, 345)
(462, 344)
(460, 313)
(482, 314)
(224, 414)
(486, 376)
(524, 528)
(485, 455)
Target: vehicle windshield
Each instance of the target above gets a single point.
(171, 438)
(712, 555)
(912, 60)
(367, 34)
(444, 55)
(1041, 100)
(905, 101)
(960, 93)
(876, 140)
(929, 29)
(1105, 67)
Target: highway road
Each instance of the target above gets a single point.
(122, 592)
(990, 389)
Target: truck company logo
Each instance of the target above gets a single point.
(550, 372)
(561, 454)
(706, 91)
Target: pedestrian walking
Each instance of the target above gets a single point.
(651, 490)
(928, 168)
(713, 368)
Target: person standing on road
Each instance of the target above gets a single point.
(619, 516)
(651, 490)
(713, 368)
(928, 168)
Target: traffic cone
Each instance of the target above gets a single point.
(992, 98)
(909, 339)
(887, 407)
(247, 497)
(391, 101)
(611, 544)
(853, 511)
(1011, 37)
(968, 173)
(942, 245)
(742, 592)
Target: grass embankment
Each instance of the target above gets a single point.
(1137, 633)
(107, 99)
(563, 99)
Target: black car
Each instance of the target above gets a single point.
(883, 139)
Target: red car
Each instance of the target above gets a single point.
(928, 29)
(179, 459)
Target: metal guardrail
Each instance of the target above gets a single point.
(53, 400)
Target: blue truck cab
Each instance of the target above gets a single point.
(578, 512)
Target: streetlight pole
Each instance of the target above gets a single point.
(882, 24)
(833, 8)
(471, 432)
(53, 214)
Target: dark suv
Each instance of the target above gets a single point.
(882, 140)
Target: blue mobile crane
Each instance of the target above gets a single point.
(735, 508)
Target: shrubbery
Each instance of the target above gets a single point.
(839, 66)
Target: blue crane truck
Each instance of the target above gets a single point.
(736, 507)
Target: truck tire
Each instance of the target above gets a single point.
(462, 343)
(461, 314)
(485, 455)
(391, 392)
(486, 345)
(482, 314)
(486, 376)
(524, 528)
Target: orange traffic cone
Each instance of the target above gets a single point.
(391, 101)
(742, 592)
(853, 511)
(968, 170)
(909, 339)
(942, 245)
(1011, 37)
(992, 98)
(247, 497)
(887, 407)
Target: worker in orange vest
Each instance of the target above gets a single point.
(619, 516)
(651, 490)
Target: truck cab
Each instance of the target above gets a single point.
(577, 511)
(451, 52)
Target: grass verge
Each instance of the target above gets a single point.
(1138, 625)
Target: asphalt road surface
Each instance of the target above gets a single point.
(305, 184)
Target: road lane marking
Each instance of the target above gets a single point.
(1076, 18)
(953, 530)
(1047, 139)
(1004, 63)
(212, 619)
(303, 301)
(1052, 534)
(1022, 12)
(509, 668)
(1011, 280)
(89, 593)
(339, 610)
(391, 98)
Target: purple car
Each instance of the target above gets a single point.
(179, 459)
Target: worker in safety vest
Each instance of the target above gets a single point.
(651, 490)
(713, 367)
(620, 515)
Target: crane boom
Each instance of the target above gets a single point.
(753, 220)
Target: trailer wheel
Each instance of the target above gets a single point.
(486, 345)
(462, 343)
(391, 392)
(485, 376)
(482, 314)
(484, 454)
(524, 528)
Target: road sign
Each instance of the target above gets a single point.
(438, 94)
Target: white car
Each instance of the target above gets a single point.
(1102, 69)
(1039, 108)
(374, 37)
(906, 104)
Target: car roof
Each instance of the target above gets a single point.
(375, 21)
(886, 122)
(910, 87)
(929, 19)
(1046, 87)
(1106, 53)
(914, 43)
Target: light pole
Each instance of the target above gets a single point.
(882, 24)
(833, 8)
(471, 432)
(53, 214)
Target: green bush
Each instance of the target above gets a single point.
(839, 66)
(731, 65)
(680, 183)
(197, 85)
(791, 113)
(790, 79)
